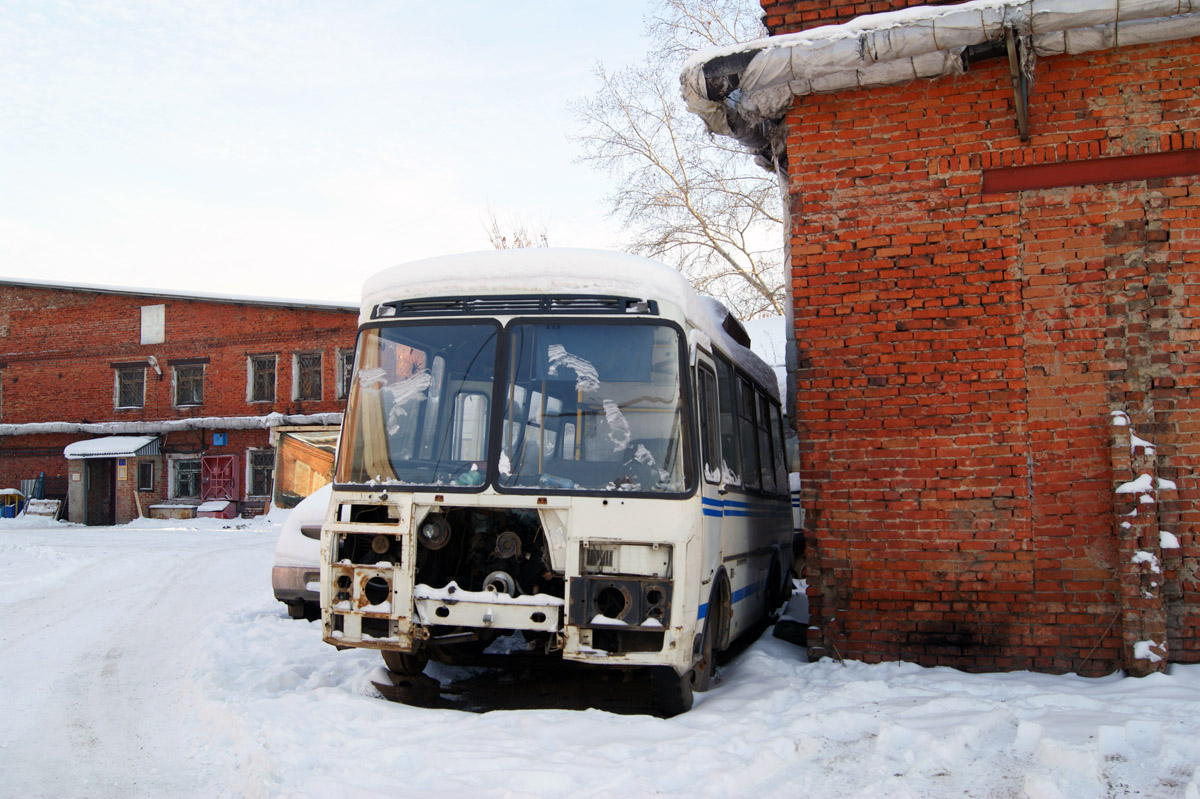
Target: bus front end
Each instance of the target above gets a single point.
(516, 484)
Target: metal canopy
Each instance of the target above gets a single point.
(113, 447)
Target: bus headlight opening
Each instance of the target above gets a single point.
(612, 602)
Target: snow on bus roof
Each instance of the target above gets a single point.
(528, 270)
(545, 270)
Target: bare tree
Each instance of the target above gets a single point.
(691, 199)
(518, 233)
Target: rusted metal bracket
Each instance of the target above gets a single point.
(1019, 83)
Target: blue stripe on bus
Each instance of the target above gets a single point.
(743, 593)
(738, 596)
(734, 508)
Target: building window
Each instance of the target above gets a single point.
(145, 475)
(185, 478)
(189, 385)
(306, 368)
(345, 369)
(261, 465)
(131, 387)
(262, 378)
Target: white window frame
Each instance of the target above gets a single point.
(117, 388)
(250, 472)
(173, 466)
(296, 356)
(250, 378)
(175, 385)
(153, 475)
(345, 372)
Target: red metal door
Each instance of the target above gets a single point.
(218, 477)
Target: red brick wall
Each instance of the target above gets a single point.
(789, 16)
(960, 353)
(58, 345)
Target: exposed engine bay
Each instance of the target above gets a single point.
(502, 551)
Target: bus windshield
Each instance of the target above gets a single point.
(418, 406)
(587, 406)
(594, 407)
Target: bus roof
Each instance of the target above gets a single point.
(529, 270)
(555, 270)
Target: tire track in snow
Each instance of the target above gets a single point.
(115, 689)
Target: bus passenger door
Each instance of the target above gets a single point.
(712, 482)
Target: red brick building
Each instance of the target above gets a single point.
(148, 403)
(995, 255)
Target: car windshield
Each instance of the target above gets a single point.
(418, 407)
(594, 407)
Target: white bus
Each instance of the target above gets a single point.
(562, 452)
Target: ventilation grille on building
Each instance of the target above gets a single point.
(514, 304)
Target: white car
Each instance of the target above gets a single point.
(297, 572)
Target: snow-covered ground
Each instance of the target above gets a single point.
(151, 660)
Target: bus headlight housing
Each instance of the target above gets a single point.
(620, 602)
(622, 585)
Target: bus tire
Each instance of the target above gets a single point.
(778, 591)
(701, 673)
(672, 692)
(405, 662)
(715, 623)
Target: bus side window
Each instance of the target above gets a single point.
(710, 430)
(782, 483)
(748, 433)
(731, 456)
(765, 456)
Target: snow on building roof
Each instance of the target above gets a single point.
(112, 447)
(240, 299)
(167, 425)
(556, 270)
(737, 87)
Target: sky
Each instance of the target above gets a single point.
(291, 149)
